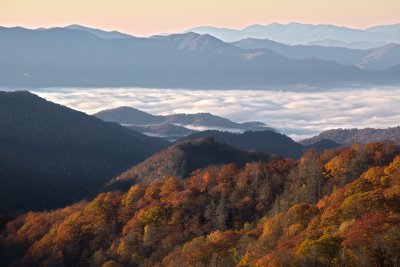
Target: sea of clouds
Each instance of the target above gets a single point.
(298, 114)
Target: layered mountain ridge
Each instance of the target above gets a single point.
(299, 33)
(77, 56)
(373, 59)
(175, 126)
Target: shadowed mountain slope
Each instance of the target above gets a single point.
(51, 155)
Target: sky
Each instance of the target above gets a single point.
(148, 17)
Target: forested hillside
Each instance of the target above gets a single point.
(51, 156)
(181, 159)
(336, 208)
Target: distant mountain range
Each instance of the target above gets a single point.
(297, 33)
(81, 56)
(350, 45)
(51, 156)
(352, 136)
(175, 126)
(377, 55)
(373, 59)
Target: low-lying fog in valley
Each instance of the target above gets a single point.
(298, 114)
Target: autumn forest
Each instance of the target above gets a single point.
(335, 208)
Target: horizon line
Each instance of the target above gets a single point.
(194, 27)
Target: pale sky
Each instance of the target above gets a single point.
(148, 17)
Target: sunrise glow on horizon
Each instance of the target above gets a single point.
(156, 16)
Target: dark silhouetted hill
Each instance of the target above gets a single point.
(269, 142)
(51, 155)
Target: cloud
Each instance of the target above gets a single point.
(297, 114)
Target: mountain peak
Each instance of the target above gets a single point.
(75, 26)
(193, 41)
(99, 33)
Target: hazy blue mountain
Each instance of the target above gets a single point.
(351, 136)
(391, 29)
(197, 43)
(175, 125)
(380, 58)
(252, 43)
(65, 57)
(100, 33)
(51, 156)
(340, 55)
(350, 45)
(297, 33)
